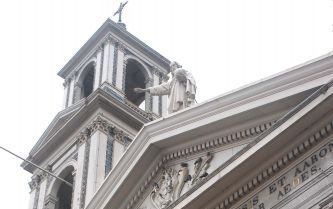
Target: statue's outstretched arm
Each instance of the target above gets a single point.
(140, 90)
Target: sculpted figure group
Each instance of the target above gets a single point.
(169, 187)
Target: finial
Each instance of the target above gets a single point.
(119, 12)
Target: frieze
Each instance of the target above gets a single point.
(276, 167)
(293, 179)
(199, 148)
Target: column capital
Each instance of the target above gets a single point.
(77, 84)
(99, 48)
(121, 47)
(110, 40)
(83, 136)
(155, 70)
(35, 181)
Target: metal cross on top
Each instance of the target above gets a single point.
(119, 11)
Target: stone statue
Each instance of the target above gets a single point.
(120, 10)
(181, 89)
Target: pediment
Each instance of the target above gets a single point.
(58, 121)
(227, 162)
(72, 119)
(220, 179)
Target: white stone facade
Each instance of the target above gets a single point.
(269, 145)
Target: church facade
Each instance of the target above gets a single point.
(267, 145)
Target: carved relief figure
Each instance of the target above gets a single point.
(181, 89)
(172, 182)
(162, 194)
(200, 168)
(168, 189)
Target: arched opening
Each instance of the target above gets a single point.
(135, 77)
(64, 194)
(61, 194)
(88, 80)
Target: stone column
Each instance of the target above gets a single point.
(118, 147)
(34, 194)
(119, 77)
(96, 165)
(156, 81)
(98, 66)
(108, 59)
(42, 191)
(66, 92)
(79, 188)
(77, 92)
(148, 97)
(164, 104)
(124, 75)
(71, 91)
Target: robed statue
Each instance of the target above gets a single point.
(181, 89)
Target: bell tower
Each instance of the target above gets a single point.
(101, 116)
(116, 61)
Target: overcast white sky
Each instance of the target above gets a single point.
(224, 43)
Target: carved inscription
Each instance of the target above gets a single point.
(292, 180)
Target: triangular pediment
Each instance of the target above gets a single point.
(58, 121)
(72, 119)
(235, 128)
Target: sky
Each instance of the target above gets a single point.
(225, 44)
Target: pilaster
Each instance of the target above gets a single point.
(120, 66)
(98, 66)
(77, 92)
(79, 186)
(156, 81)
(96, 165)
(148, 97)
(164, 101)
(42, 192)
(71, 90)
(108, 59)
(34, 194)
(66, 93)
